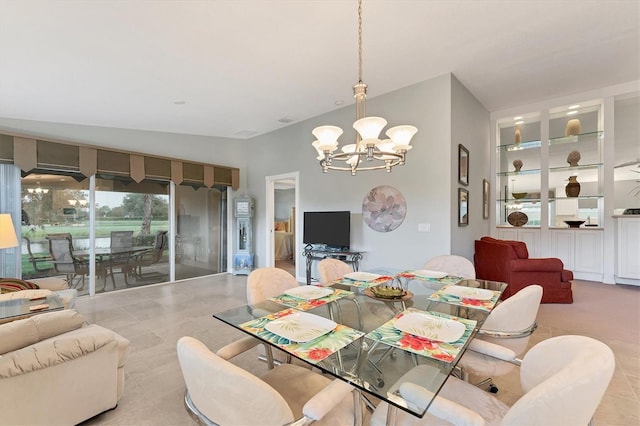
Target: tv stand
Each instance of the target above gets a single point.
(312, 254)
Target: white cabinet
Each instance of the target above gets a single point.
(627, 269)
(529, 236)
(580, 250)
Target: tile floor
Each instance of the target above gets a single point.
(153, 318)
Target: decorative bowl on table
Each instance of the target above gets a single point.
(387, 292)
(518, 195)
(574, 223)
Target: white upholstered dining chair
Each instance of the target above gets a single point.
(457, 266)
(504, 336)
(564, 379)
(219, 392)
(263, 283)
(331, 269)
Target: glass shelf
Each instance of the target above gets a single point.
(571, 168)
(551, 199)
(520, 146)
(581, 197)
(581, 138)
(521, 172)
(522, 200)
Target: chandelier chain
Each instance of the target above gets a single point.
(360, 41)
(369, 152)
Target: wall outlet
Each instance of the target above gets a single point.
(424, 227)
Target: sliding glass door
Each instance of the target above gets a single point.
(201, 231)
(139, 213)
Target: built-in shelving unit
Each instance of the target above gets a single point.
(601, 154)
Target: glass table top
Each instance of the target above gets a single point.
(366, 349)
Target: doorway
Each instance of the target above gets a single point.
(283, 246)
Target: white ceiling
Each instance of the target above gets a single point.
(239, 66)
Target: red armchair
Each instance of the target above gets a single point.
(508, 261)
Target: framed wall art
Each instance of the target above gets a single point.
(485, 199)
(384, 208)
(463, 165)
(463, 207)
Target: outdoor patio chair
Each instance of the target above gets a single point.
(64, 261)
(120, 255)
(150, 257)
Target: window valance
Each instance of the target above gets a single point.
(81, 161)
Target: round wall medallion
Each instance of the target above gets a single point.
(517, 218)
(384, 208)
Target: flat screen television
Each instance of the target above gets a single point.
(332, 229)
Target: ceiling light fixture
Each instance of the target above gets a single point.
(369, 152)
(38, 190)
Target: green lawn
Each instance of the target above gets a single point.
(81, 230)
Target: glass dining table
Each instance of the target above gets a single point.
(375, 343)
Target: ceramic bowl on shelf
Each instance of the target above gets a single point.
(574, 223)
(518, 195)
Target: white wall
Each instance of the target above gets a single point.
(469, 127)
(284, 200)
(425, 180)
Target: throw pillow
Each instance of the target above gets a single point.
(15, 284)
(520, 248)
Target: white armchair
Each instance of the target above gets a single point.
(219, 392)
(564, 379)
(504, 336)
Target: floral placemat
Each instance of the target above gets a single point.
(313, 351)
(485, 305)
(305, 305)
(447, 352)
(364, 284)
(449, 279)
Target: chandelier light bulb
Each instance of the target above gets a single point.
(401, 135)
(369, 128)
(386, 145)
(327, 135)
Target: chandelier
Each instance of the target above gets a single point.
(38, 190)
(368, 152)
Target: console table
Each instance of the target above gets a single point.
(311, 254)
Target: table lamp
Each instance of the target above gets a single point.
(8, 237)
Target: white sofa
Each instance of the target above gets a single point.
(57, 369)
(49, 285)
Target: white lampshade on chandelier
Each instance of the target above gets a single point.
(369, 152)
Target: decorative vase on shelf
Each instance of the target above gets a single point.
(573, 187)
(517, 164)
(573, 127)
(518, 136)
(573, 158)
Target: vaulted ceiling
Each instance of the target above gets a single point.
(234, 68)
